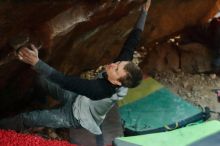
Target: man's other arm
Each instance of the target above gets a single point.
(93, 89)
(133, 39)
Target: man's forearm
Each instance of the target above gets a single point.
(141, 20)
(43, 69)
(50, 73)
(132, 41)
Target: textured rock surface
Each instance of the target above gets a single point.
(80, 35)
(195, 58)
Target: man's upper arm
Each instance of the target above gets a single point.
(93, 89)
(129, 46)
(133, 39)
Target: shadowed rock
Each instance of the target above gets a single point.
(81, 35)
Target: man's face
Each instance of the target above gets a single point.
(115, 71)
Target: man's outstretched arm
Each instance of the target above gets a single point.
(133, 39)
(94, 89)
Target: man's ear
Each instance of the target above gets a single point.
(116, 82)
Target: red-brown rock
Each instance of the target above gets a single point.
(81, 35)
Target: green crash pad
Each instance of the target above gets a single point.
(152, 108)
(179, 137)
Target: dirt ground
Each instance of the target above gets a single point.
(196, 89)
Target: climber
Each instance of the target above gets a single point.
(77, 107)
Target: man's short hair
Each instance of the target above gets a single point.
(133, 77)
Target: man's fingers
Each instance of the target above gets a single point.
(34, 48)
(23, 51)
(27, 52)
(25, 55)
(25, 59)
(147, 5)
(31, 52)
(20, 57)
